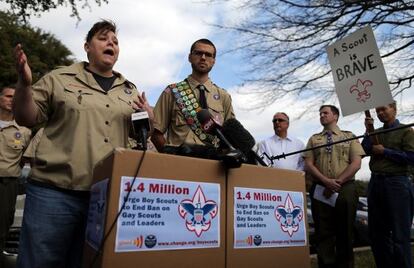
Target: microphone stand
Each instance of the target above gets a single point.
(283, 155)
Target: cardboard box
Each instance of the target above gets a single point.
(162, 166)
(256, 177)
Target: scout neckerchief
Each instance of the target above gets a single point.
(189, 106)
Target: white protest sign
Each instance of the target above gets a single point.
(358, 72)
(167, 214)
(268, 218)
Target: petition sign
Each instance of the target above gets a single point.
(159, 214)
(359, 75)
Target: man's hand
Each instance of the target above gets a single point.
(332, 185)
(369, 124)
(22, 67)
(141, 103)
(327, 193)
(378, 149)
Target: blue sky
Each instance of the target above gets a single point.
(155, 37)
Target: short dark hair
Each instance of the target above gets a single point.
(333, 108)
(100, 26)
(4, 87)
(206, 42)
(393, 105)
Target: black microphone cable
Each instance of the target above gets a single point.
(101, 246)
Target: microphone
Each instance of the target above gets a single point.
(194, 150)
(141, 127)
(209, 125)
(241, 139)
(234, 158)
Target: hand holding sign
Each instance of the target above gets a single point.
(359, 76)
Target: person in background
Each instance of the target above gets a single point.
(334, 168)
(390, 192)
(86, 112)
(13, 142)
(281, 143)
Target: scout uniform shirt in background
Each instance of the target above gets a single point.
(169, 118)
(13, 141)
(34, 143)
(334, 163)
(83, 124)
(399, 140)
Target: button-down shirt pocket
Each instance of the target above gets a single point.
(78, 99)
(217, 112)
(14, 146)
(317, 152)
(126, 105)
(179, 119)
(343, 150)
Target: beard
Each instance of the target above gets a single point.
(200, 70)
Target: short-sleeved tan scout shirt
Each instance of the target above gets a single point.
(83, 124)
(14, 139)
(169, 118)
(334, 163)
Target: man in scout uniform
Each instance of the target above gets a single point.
(86, 111)
(334, 168)
(13, 141)
(390, 193)
(176, 110)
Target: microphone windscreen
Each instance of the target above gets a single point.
(194, 150)
(203, 116)
(238, 136)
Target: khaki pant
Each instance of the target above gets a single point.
(334, 228)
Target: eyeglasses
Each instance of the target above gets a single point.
(277, 120)
(199, 53)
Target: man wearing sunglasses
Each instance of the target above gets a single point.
(282, 143)
(176, 109)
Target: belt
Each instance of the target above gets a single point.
(76, 193)
(320, 183)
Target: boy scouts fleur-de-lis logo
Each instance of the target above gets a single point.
(289, 216)
(198, 212)
(361, 88)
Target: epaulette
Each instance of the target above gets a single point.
(348, 132)
(214, 84)
(129, 84)
(319, 133)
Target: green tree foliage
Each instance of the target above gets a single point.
(25, 8)
(44, 51)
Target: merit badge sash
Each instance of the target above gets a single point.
(189, 106)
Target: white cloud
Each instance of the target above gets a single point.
(155, 37)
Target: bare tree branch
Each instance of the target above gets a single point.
(284, 43)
